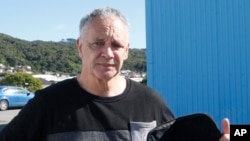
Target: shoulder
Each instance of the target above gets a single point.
(146, 96)
(62, 86)
(143, 93)
(59, 95)
(61, 90)
(139, 86)
(143, 89)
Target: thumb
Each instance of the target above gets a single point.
(225, 126)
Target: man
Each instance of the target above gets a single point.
(98, 105)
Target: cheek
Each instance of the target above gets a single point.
(84, 56)
(82, 52)
(125, 56)
(119, 58)
(92, 58)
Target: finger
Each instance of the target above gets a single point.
(225, 126)
(225, 137)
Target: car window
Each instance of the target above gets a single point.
(15, 90)
(8, 91)
(20, 90)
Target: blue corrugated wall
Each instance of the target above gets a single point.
(198, 56)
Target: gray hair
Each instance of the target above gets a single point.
(102, 13)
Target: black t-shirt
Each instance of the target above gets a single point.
(65, 111)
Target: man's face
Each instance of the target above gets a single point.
(103, 47)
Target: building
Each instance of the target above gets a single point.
(2, 67)
(198, 56)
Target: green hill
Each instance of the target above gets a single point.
(54, 56)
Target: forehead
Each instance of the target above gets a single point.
(109, 26)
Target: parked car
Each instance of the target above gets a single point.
(12, 96)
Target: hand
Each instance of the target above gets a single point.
(225, 130)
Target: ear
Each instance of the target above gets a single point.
(126, 52)
(79, 47)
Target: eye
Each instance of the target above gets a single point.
(97, 44)
(117, 45)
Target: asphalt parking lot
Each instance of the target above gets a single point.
(7, 116)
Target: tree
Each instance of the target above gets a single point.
(22, 80)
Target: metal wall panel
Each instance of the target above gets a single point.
(198, 56)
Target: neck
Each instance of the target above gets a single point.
(104, 88)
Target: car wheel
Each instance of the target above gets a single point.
(4, 105)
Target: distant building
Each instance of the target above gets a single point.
(69, 40)
(2, 67)
(51, 78)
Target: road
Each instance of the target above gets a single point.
(6, 116)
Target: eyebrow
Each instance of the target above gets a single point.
(99, 38)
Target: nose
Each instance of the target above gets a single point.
(107, 52)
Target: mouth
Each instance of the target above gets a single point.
(107, 65)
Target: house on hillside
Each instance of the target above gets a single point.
(2, 67)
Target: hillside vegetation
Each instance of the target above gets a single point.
(57, 57)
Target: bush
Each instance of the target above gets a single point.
(22, 80)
